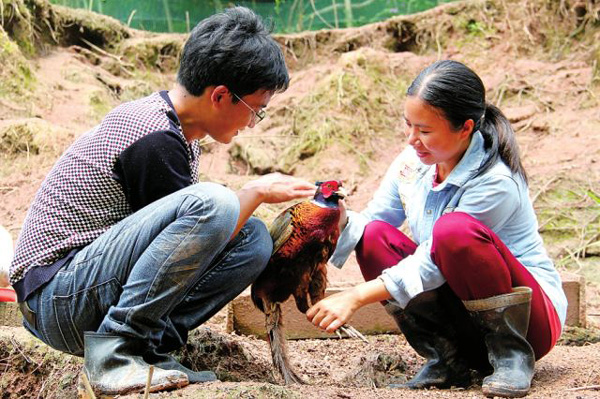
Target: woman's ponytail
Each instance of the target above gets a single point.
(500, 141)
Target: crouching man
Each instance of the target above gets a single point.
(123, 251)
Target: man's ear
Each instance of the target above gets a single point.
(219, 93)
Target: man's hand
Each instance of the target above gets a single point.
(271, 189)
(276, 187)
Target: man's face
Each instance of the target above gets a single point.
(236, 114)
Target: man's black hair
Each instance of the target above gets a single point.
(233, 48)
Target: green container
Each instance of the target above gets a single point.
(287, 15)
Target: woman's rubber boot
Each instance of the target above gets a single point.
(504, 320)
(168, 362)
(113, 367)
(426, 324)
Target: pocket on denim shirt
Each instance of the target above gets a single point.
(84, 311)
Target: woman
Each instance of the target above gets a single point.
(475, 288)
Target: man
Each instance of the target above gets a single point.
(123, 251)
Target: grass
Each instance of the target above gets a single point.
(100, 104)
(577, 336)
(21, 26)
(145, 83)
(569, 217)
(33, 370)
(28, 145)
(16, 77)
(157, 53)
(347, 108)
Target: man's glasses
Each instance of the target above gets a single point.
(257, 116)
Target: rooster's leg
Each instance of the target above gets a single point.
(318, 283)
(302, 303)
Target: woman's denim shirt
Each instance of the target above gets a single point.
(498, 198)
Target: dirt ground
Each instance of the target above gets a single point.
(550, 95)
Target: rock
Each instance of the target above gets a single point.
(244, 318)
(261, 156)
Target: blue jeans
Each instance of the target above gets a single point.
(156, 274)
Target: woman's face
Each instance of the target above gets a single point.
(432, 136)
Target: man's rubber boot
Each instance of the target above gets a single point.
(113, 366)
(504, 320)
(168, 362)
(428, 328)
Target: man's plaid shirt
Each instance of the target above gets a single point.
(82, 196)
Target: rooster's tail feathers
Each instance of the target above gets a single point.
(278, 343)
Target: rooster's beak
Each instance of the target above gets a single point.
(341, 192)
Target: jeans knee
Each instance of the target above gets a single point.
(222, 199)
(211, 200)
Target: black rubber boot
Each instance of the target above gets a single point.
(113, 366)
(429, 328)
(504, 320)
(168, 362)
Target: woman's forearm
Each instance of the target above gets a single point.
(371, 291)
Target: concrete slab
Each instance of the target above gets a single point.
(244, 318)
(574, 287)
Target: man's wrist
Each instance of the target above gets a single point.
(257, 192)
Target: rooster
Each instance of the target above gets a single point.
(304, 237)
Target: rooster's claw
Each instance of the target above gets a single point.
(350, 332)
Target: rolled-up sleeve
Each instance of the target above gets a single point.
(412, 275)
(385, 205)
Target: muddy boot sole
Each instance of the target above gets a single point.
(85, 391)
(493, 390)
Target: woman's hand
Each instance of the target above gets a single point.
(332, 312)
(343, 215)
